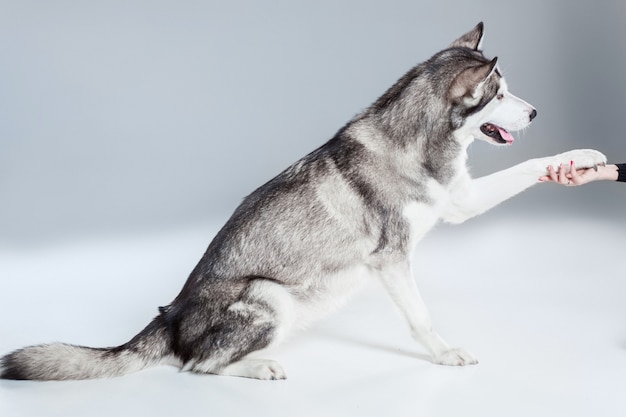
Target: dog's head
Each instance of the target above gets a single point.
(482, 106)
(457, 93)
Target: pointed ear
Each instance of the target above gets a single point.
(466, 83)
(472, 39)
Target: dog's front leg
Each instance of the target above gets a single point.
(471, 197)
(401, 287)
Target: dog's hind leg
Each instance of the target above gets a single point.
(258, 320)
(401, 286)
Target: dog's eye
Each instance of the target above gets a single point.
(500, 96)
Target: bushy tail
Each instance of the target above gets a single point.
(60, 361)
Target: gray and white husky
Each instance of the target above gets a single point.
(299, 245)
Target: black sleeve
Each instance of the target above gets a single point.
(621, 172)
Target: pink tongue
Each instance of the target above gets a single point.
(506, 135)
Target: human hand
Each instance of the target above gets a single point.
(575, 176)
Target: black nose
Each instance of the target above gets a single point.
(533, 114)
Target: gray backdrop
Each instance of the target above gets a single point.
(131, 115)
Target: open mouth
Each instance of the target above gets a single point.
(498, 134)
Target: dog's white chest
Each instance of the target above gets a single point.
(421, 218)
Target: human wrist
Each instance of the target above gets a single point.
(608, 172)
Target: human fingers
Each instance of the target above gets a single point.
(552, 174)
(563, 175)
(574, 175)
(578, 171)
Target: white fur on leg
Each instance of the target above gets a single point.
(255, 368)
(403, 291)
(471, 197)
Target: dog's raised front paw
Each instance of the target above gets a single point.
(455, 357)
(583, 158)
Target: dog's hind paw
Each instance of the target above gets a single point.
(455, 357)
(255, 368)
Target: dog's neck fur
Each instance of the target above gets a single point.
(414, 126)
(417, 154)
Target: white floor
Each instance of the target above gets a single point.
(541, 305)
